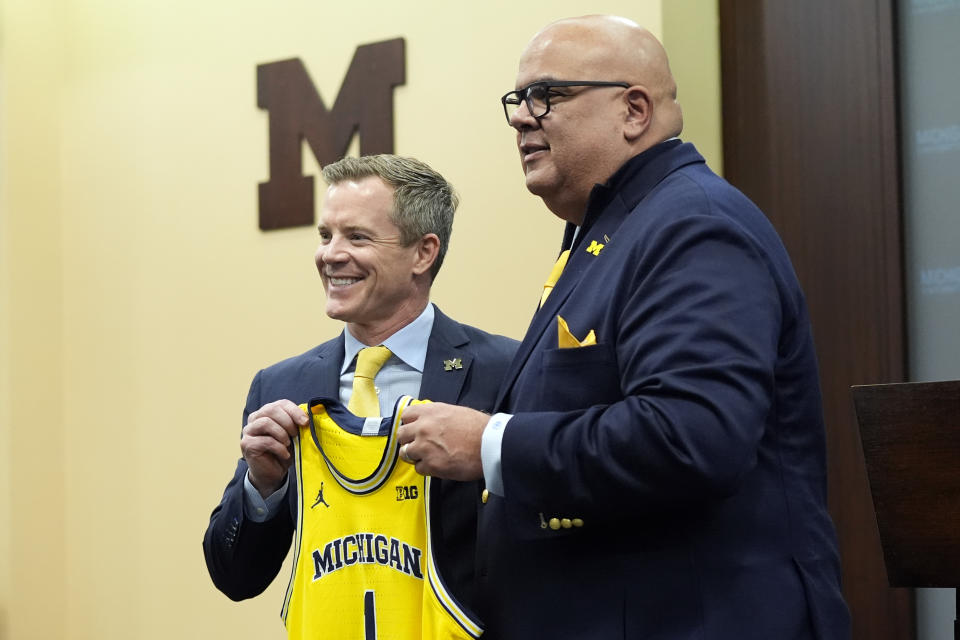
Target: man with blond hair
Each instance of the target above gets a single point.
(384, 231)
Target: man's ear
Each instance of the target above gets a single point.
(639, 112)
(428, 248)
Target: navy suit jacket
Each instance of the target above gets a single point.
(243, 557)
(668, 481)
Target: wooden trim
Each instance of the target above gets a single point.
(810, 134)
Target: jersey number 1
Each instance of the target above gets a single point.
(369, 617)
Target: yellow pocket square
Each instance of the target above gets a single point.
(567, 340)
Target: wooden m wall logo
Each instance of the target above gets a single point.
(296, 111)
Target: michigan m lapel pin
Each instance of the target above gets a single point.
(595, 247)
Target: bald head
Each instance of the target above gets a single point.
(615, 48)
(612, 98)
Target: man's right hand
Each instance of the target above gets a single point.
(266, 443)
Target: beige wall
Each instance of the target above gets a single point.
(691, 34)
(138, 297)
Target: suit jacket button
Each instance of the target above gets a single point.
(484, 496)
(554, 523)
(577, 522)
(566, 523)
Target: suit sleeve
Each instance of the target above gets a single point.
(689, 334)
(243, 557)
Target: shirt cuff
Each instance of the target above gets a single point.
(490, 445)
(255, 508)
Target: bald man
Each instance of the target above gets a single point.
(656, 464)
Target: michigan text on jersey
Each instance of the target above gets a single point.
(367, 548)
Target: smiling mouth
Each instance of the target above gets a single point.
(342, 282)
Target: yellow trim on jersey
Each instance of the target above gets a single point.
(391, 452)
(298, 532)
(444, 598)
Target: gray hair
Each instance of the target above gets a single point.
(423, 201)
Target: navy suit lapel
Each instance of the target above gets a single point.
(325, 369)
(637, 183)
(602, 232)
(447, 363)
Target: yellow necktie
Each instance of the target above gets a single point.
(554, 275)
(363, 399)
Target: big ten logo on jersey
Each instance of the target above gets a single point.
(404, 492)
(364, 106)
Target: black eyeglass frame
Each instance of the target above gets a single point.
(524, 93)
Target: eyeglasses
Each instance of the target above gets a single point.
(537, 95)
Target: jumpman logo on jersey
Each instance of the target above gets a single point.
(320, 498)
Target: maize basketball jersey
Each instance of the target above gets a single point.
(363, 564)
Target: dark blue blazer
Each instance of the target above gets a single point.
(668, 481)
(244, 557)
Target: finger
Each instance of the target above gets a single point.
(406, 456)
(266, 427)
(408, 429)
(298, 415)
(255, 447)
(284, 412)
(412, 412)
(424, 468)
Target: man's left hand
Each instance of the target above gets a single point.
(443, 440)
